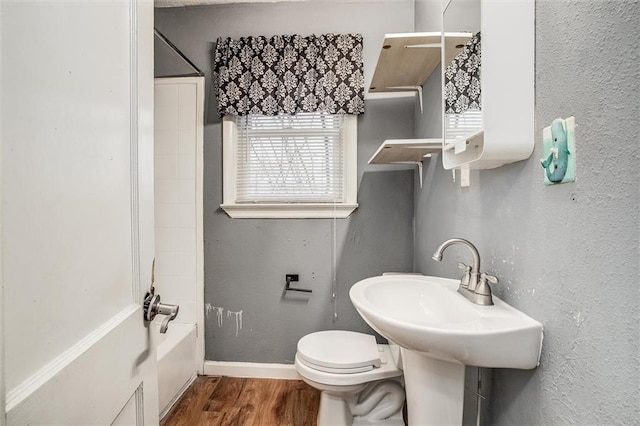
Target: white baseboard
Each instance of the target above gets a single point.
(250, 369)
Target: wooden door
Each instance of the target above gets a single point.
(77, 211)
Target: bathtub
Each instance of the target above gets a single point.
(177, 366)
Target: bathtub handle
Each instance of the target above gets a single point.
(152, 307)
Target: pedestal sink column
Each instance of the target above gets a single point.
(435, 390)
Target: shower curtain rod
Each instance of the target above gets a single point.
(180, 54)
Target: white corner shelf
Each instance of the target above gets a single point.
(405, 151)
(406, 60)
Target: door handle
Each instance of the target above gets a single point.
(152, 307)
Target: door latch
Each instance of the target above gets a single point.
(152, 307)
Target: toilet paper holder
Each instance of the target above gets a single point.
(289, 278)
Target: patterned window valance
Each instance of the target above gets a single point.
(289, 74)
(462, 79)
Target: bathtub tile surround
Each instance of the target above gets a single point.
(175, 197)
(178, 231)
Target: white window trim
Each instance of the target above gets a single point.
(289, 210)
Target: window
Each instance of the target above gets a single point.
(289, 166)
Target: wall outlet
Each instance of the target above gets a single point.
(559, 145)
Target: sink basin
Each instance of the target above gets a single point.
(427, 315)
(440, 332)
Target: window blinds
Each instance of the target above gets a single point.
(290, 158)
(461, 126)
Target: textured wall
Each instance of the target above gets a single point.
(567, 255)
(246, 260)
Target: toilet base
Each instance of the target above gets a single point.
(335, 411)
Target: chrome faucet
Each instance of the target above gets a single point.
(474, 285)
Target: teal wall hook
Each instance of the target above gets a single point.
(559, 151)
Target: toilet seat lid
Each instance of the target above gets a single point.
(339, 351)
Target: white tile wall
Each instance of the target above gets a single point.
(175, 215)
(166, 142)
(185, 138)
(176, 288)
(167, 191)
(187, 107)
(175, 197)
(185, 167)
(177, 240)
(166, 166)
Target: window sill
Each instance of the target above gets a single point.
(288, 211)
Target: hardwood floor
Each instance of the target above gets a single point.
(227, 401)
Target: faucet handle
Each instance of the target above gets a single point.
(464, 267)
(484, 289)
(466, 278)
(486, 277)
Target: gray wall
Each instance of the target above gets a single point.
(246, 260)
(567, 255)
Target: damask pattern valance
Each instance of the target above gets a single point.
(289, 74)
(462, 79)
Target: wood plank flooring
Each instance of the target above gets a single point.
(231, 401)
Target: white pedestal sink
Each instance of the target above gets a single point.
(441, 332)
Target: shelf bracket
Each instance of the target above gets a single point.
(417, 89)
(417, 163)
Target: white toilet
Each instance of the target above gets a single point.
(360, 380)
